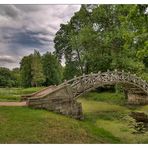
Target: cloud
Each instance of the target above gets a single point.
(24, 28)
(6, 58)
(9, 11)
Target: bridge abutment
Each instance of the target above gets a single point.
(60, 101)
(137, 99)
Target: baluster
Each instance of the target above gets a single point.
(123, 75)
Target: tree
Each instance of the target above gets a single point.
(6, 79)
(104, 37)
(38, 77)
(37, 70)
(51, 69)
(25, 71)
(66, 39)
(71, 70)
(16, 76)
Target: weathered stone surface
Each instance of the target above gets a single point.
(60, 101)
(137, 99)
(140, 116)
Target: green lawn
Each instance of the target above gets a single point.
(105, 121)
(109, 97)
(14, 94)
(24, 125)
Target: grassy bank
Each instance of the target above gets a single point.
(14, 94)
(106, 120)
(24, 125)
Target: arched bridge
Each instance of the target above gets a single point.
(63, 98)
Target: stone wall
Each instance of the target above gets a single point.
(60, 101)
(137, 99)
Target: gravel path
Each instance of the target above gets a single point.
(13, 104)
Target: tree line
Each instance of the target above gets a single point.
(35, 70)
(9, 78)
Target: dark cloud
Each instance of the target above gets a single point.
(24, 28)
(9, 11)
(30, 8)
(26, 39)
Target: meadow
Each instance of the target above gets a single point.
(106, 120)
(14, 94)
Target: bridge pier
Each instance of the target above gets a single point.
(137, 99)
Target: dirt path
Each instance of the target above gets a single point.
(40, 93)
(45, 91)
(13, 104)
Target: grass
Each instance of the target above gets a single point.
(14, 94)
(106, 121)
(109, 97)
(25, 125)
(112, 115)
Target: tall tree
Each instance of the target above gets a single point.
(25, 71)
(66, 39)
(38, 77)
(16, 76)
(51, 69)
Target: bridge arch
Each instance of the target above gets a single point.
(85, 83)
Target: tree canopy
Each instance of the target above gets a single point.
(52, 69)
(101, 37)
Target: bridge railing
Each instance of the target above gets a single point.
(82, 83)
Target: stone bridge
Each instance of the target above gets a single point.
(63, 98)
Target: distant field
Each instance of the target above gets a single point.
(104, 122)
(14, 94)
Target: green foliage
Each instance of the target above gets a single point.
(143, 54)
(16, 75)
(103, 63)
(104, 37)
(6, 78)
(144, 76)
(25, 71)
(71, 70)
(37, 70)
(51, 69)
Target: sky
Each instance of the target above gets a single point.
(24, 28)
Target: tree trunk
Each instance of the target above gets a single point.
(80, 62)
